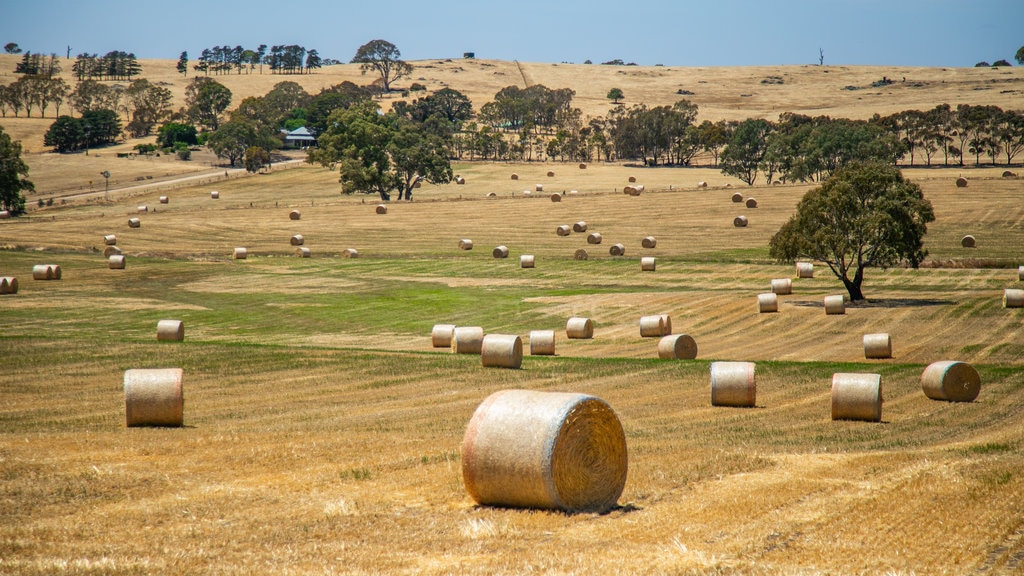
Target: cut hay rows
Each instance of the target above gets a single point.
(733, 384)
(951, 380)
(677, 347)
(542, 342)
(501, 351)
(877, 346)
(857, 397)
(154, 397)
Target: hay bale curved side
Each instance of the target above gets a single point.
(297, 240)
(501, 351)
(110, 239)
(877, 346)
(526, 261)
(578, 328)
(134, 223)
(500, 251)
(857, 396)
(42, 272)
(733, 384)
(951, 380)
(594, 238)
(652, 326)
(542, 342)
(740, 221)
(767, 303)
(805, 270)
(350, 253)
(170, 331)
(441, 335)
(677, 347)
(580, 226)
(154, 397)
(240, 253)
(617, 250)
(563, 230)
(648, 264)
(8, 285)
(782, 286)
(467, 339)
(835, 304)
(116, 262)
(465, 244)
(164, 200)
(303, 252)
(968, 241)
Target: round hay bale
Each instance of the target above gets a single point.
(441, 335)
(214, 194)
(111, 251)
(857, 397)
(465, 244)
(295, 215)
(733, 384)
(303, 252)
(633, 189)
(632, 179)
(297, 240)
(804, 270)
(617, 250)
(241, 253)
(677, 347)
(594, 238)
(1008, 174)
(500, 251)
(8, 285)
(515, 176)
(702, 184)
(527, 193)
(835, 305)
(563, 230)
(546, 450)
(782, 286)
(539, 187)
(573, 192)
(467, 339)
(577, 328)
(542, 343)
(556, 197)
(737, 197)
(382, 209)
(134, 223)
(501, 351)
(5, 214)
(42, 272)
(580, 254)
(968, 241)
(526, 261)
(580, 226)
(877, 346)
(768, 302)
(350, 253)
(492, 195)
(647, 264)
(1012, 297)
(164, 200)
(667, 321)
(751, 203)
(951, 381)
(116, 262)
(649, 242)
(153, 397)
(170, 331)
(143, 208)
(740, 221)
(54, 271)
(583, 166)
(1020, 273)
(551, 174)
(460, 180)
(961, 182)
(652, 326)
(110, 239)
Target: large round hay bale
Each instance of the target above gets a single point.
(767, 302)
(526, 261)
(492, 195)
(580, 226)
(732, 384)
(116, 262)
(647, 264)
(465, 244)
(303, 252)
(702, 184)
(142, 208)
(134, 223)
(649, 242)
(350, 253)
(1008, 174)
(8, 285)
(617, 250)
(580, 254)
(577, 328)
(968, 242)
(556, 197)
(573, 192)
(632, 179)
(652, 326)
(214, 194)
(563, 230)
(153, 397)
(42, 272)
(677, 347)
(382, 209)
(500, 251)
(551, 174)
(1020, 273)
(110, 239)
(170, 331)
(467, 339)
(857, 397)
(594, 238)
(539, 187)
(877, 346)
(751, 203)
(1012, 297)
(804, 270)
(835, 304)
(5, 214)
(295, 215)
(961, 182)
(527, 193)
(633, 189)
(740, 221)
(501, 351)
(542, 342)
(667, 322)
(297, 240)
(164, 200)
(782, 286)
(441, 335)
(951, 381)
(515, 176)
(547, 450)
(241, 253)
(583, 166)
(737, 197)
(460, 180)
(111, 251)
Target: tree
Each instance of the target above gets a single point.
(746, 149)
(13, 48)
(234, 137)
(205, 100)
(183, 64)
(385, 58)
(13, 175)
(147, 104)
(173, 132)
(865, 215)
(1019, 57)
(65, 135)
(615, 94)
(92, 95)
(256, 158)
(313, 61)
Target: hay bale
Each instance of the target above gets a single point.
(647, 264)
(551, 174)
(577, 328)
(573, 192)
(153, 397)
(170, 331)
(702, 184)
(835, 305)
(804, 270)
(527, 193)
(857, 397)
(563, 230)
(501, 351)
(110, 239)
(580, 254)
(667, 321)
(5, 214)
(733, 384)
(677, 347)
(632, 179)
(241, 253)
(492, 195)
(782, 286)
(740, 221)
(54, 271)
(134, 223)
(350, 253)
(617, 250)
(8, 285)
(633, 189)
(143, 208)
(526, 261)
(465, 244)
(968, 241)
(649, 242)
(116, 262)
(580, 226)
(164, 200)
(751, 203)
(583, 166)
(214, 194)
(382, 209)
(877, 346)
(111, 251)
(1020, 273)
(547, 450)
(441, 335)
(467, 339)
(515, 176)
(303, 252)
(297, 240)
(594, 238)
(542, 343)
(1008, 174)
(500, 251)
(556, 197)
(460, 180)
(44, 272)
(539, 187)
(951, 381)
(652, 326)
(1012, 298)
(767, 302)
(737, 197)
(295, 215)
(961, 182)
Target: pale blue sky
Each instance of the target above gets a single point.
(680, 33)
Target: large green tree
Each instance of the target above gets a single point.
(147, 105)
(743, 154)
(385, 58)
(13, 175)
(235, 136)
(865, 215)
(1019, 57)
(205, 100)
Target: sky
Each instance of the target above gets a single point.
(950, 33)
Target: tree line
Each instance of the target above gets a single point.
(280, 59)
(114, 65)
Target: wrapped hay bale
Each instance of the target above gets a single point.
(143, 208)
(877, 346)
(116, 262)
(583, 166)
(556, 197)
(617, 250)
(515, 176)
(968, 241)
(8, 285)
(350, 253)
(649, 242)
(1012, 297)
(134, 223)
(961, 182)
(782, 286)
(111, 251)
(767, 302)
(153, 397)
(303, 252)
(297, 240)
(526, 261)
(214, 194)
(951, 381)
(542, 342)
(647, 264)
(577, 328)
(465, 244)
(441, 335)
(551, 174)
(732, 384)
(702, 184)
(594, 238)
(170, 331)
(677, 347)
(573, 192)
(751, 203)
(42, 272)
(804, 270)
(501, 351)
(857, 397)
(580, 226)
(295, 215)
(110, 239)
(547, 450)
(241, 253)
(652, 326)
(539, 187)
(632, 179)
(500, 251)
(563, 230)
(382, 209)
(737, 197)
(164, 200)
(835, 305)
(467, 339)
(580, 254)
(740, 221)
